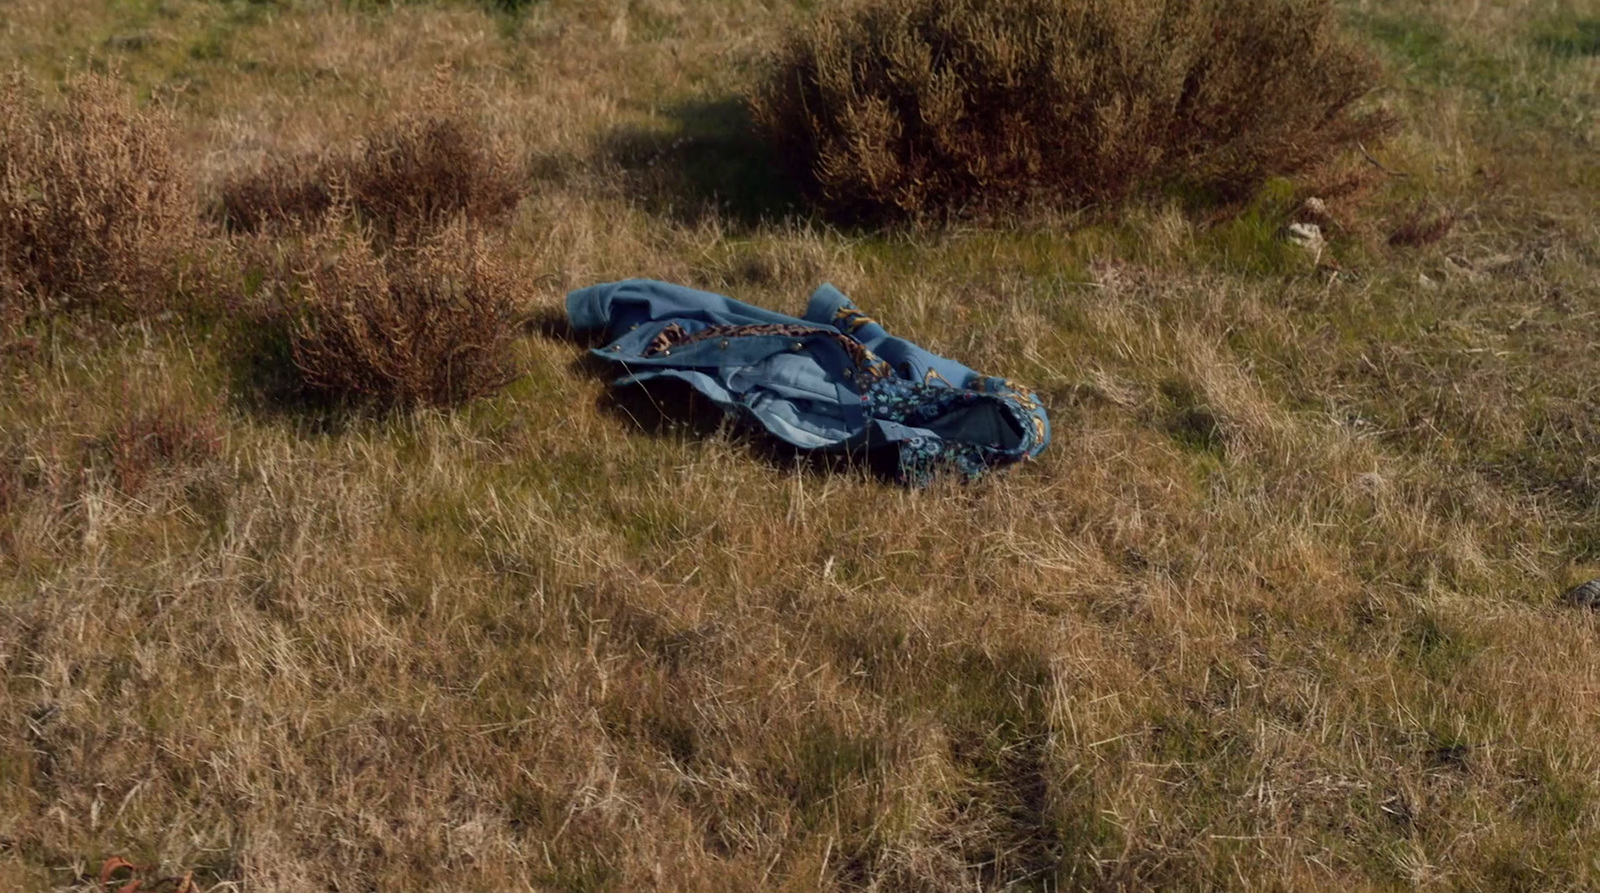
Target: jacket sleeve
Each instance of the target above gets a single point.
(829, 306)
(613, 307)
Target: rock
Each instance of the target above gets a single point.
(1314, 210)
(1584, 595)
(1306, 235)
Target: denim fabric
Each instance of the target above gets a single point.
(833, 379)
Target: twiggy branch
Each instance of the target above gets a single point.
(1378, 164)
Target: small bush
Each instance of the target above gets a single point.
(425, 168)
(95, 210)
(1421, 228)
(283, 194)
(429, 168)
(149, 441)
(896, 108)
(429, 322)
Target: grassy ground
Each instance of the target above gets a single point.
(1277, 610)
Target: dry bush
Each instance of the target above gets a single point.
(1422, 227)
(429, 322)
(164, 437)
(891, 108)
(95, 210)
(428, 168)
(425, 168)
(284, 192)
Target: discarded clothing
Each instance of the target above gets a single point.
(832, 380)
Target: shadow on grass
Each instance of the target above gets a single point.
(1575, 39)
(552, 323)
(264, 382)
(670, 408)
(709, 160)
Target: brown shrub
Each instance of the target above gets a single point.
(428, 322)
(425, 168)
(291, 191)
(1422, 227)
(892, 108)
(95, 210)
(150, 440)
(429, 168)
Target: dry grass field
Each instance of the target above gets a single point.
(1279, 609)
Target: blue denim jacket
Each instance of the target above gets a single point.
(833, 379)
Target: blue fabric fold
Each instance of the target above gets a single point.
(833, 379)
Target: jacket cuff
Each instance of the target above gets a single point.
(589, 309)
(824, 304)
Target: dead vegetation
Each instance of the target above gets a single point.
(1278, 609)
(150, 441)
(394, 298)
(426, 167)
(427, 322)
(96, 211)
(1423, 226)
(285, 194)
(933, 108)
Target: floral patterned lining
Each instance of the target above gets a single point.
(919, 403)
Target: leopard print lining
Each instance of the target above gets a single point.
(866, 362)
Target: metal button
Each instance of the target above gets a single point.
(799, 345)
(632, 327)
(666, 352)
(723, 344)
(849, 373)
(616, 347)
